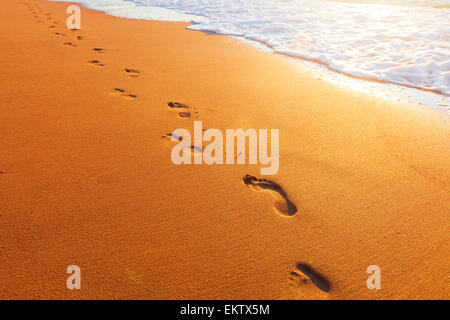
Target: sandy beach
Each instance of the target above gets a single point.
(86, 176)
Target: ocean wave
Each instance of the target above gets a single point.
(405, 42)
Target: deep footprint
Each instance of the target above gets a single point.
(70, 44)
(304, 275)
(282, 204)
(99, 50)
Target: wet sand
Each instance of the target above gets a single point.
(87, 178)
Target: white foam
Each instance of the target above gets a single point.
(134, 10)
(408, 44)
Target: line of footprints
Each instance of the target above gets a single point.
(282, 204)
(46, 18)
(303, 276)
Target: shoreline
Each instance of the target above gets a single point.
(89, 180)
(389, 90)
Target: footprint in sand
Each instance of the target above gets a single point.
(184, 115)
(123, 93)
(304, 276)
(132, 73)
(194, 149)
(99, 50)
(177, 105)
(80, 37)
(183, 110)
(59, 34)
(96, 63)
(70, 44)
(282, 204)
(170, 137)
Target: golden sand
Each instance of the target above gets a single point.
(87, 179)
